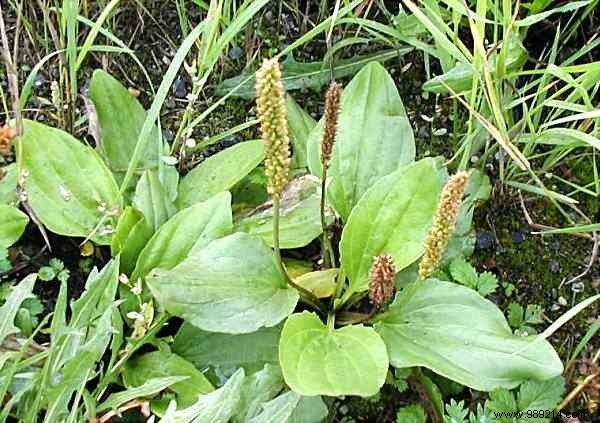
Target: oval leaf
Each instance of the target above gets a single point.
(317, 360)
(392, 218)
(121, 117)
(12, 224)
(187, 231)
(219, 172)
(152, 200)
(227, 352)
(68, 185)
(233, 285)
(458, 334)
(374, 138)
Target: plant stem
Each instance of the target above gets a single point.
(326, 249)
(306, 295)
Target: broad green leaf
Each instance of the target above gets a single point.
(219, 172)
(131, 236)
(321, 282)
(258, 388)
(456, 333)
(120, 117)
(298, 75)
(299, 215)
(233, 285)
(300, 124)
(160, 364)
(224, 351)
(317, 360)
(393, 218)
(169, 178)
(152, 200)
(217, 407)
(8, 184)
(373, 139)
(12, 224)
(68, 186)
(11, 306)
(149, 387)
(187, 231)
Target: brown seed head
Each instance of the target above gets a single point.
(444, 223)
(332, 109)
(381, 280)
(270, 102)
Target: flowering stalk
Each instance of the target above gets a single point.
(332, 109)
(270, 104)
(444, 223)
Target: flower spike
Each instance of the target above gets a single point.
(444, 223)
(381, 280)
(270, 102)
(332, 109)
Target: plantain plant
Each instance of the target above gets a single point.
(195, 248)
